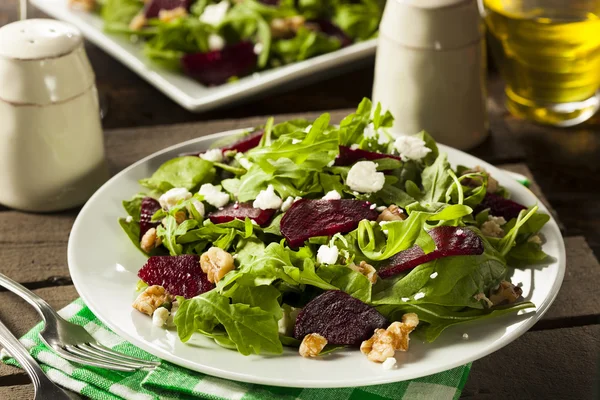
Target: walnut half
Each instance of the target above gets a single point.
(215, 263)
(392, 213)
(312, 345)
(365, 269)
(150, 299)
(506, 293)
(384, 342)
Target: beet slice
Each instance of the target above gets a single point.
(241, 211)
(350, 156)
(149, 207)
(216, 67)
(449, 241)
(153, 7)
(309, 218)
(500, 207)
(179, 275)
(246, 143)
(330, 29)
(339, 318)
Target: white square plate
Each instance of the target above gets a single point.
(191, 94)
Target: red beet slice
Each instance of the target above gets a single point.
(309, 218)
(246, 143)
(349, 156)
(500, 207)
(339, 318)
(149, 207)
(449, 241)
(154, 6)
(241, 211)
(179, 275)
(216, 67)
(330, 29)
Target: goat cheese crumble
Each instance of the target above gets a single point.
(327, 254)
(363, 177)
(411, 147)
(267, 199)
(214, 14)
(173, 196)
(212, 155)
(332, 195)
(213, 195)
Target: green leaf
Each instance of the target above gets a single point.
(305, 44)
(527, 254)
(509, 240)
(117, 14)
(134, 206)
(359, 20)
(252, 329)
(430, 143)
(436, 180)
(264, 297)
(183, 172)
(354, 283)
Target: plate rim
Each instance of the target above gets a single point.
(539, 312)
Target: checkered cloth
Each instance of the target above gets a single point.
(172, 382)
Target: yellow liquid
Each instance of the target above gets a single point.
(549, 54)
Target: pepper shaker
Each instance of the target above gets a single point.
(430, 69)
(51, 141)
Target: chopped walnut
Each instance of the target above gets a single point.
(150, 299)
(171, 15)
(493, 184)
(537, 239)
(216, 262)
(506, 293)
(180, 216)
(392, 213)
(286, 27)
(384, 342)
(83, 5)
(150, 240)
(138, 22)
(312, 345)
(481, 296)
(365, 269)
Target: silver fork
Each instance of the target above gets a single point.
(43, 386)
(72, 341)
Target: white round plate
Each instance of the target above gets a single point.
(104, 263)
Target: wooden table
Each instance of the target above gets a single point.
(557, 359)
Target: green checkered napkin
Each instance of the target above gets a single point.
(172, 382)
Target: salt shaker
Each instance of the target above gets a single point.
(51, 142)
(430, 69)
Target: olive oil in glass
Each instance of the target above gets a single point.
(549, 54)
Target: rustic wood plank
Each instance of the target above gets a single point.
(20, 392)
(554, 364)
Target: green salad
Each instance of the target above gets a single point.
(320, 236)
(218, 41)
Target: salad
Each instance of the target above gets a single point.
(218, 41)
(318, 237)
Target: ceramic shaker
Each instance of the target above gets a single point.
(430, 69)
(51, 142)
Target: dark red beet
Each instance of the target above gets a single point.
(179, 275)
(330, 29)
(216, 67)
(241, 211)
(154, 6)
(309, 218)
(270, 2)
(246, 143)
(449, 241)
(149, 207)
(500, 207)
(349, 156)
(339, 318)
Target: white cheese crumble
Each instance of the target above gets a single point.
(419, 295)
(327, 255)
(216, 42)
(198, 206)
(370, 132)
(497, 220)
(465, 336)
(381, 208)
(213, 155)
(354, 147)
(405, 299)
(267, 199)
(434, 275)
(129, 219)
(160, 316)
(411, 147)
(296, 141)
(213, 195)
(170, 199)
(330, 163)
(214, 14)
(363, 177)
(308, 128)
(389, 363)
(373, 206)
(459, 232)
(332, 195)
(287, 204)
(258, 48)
(288, 320)
(244, 162)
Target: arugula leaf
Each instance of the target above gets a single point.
(526, 254)
(359, 20)
(134, 206)
(169, 231)
(430, 143)
(251, 329)
(117, 14)
(305, 44)
(264, 297)
(182, 172)
(354, 283)
(436, 180)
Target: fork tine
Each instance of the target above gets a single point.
(115, 357)
(90, 361)
(84, 351)
(105, 349)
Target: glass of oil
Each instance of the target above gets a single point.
(548, 52)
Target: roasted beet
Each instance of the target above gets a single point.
(349, 156)
(241, 211)
(330, 29)
(149, 207)
(500, 207)
(153, 7)
(246, 143)
(216, 67)
(309, 218)
(449, 241)
(179, 275)
(340, 318)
